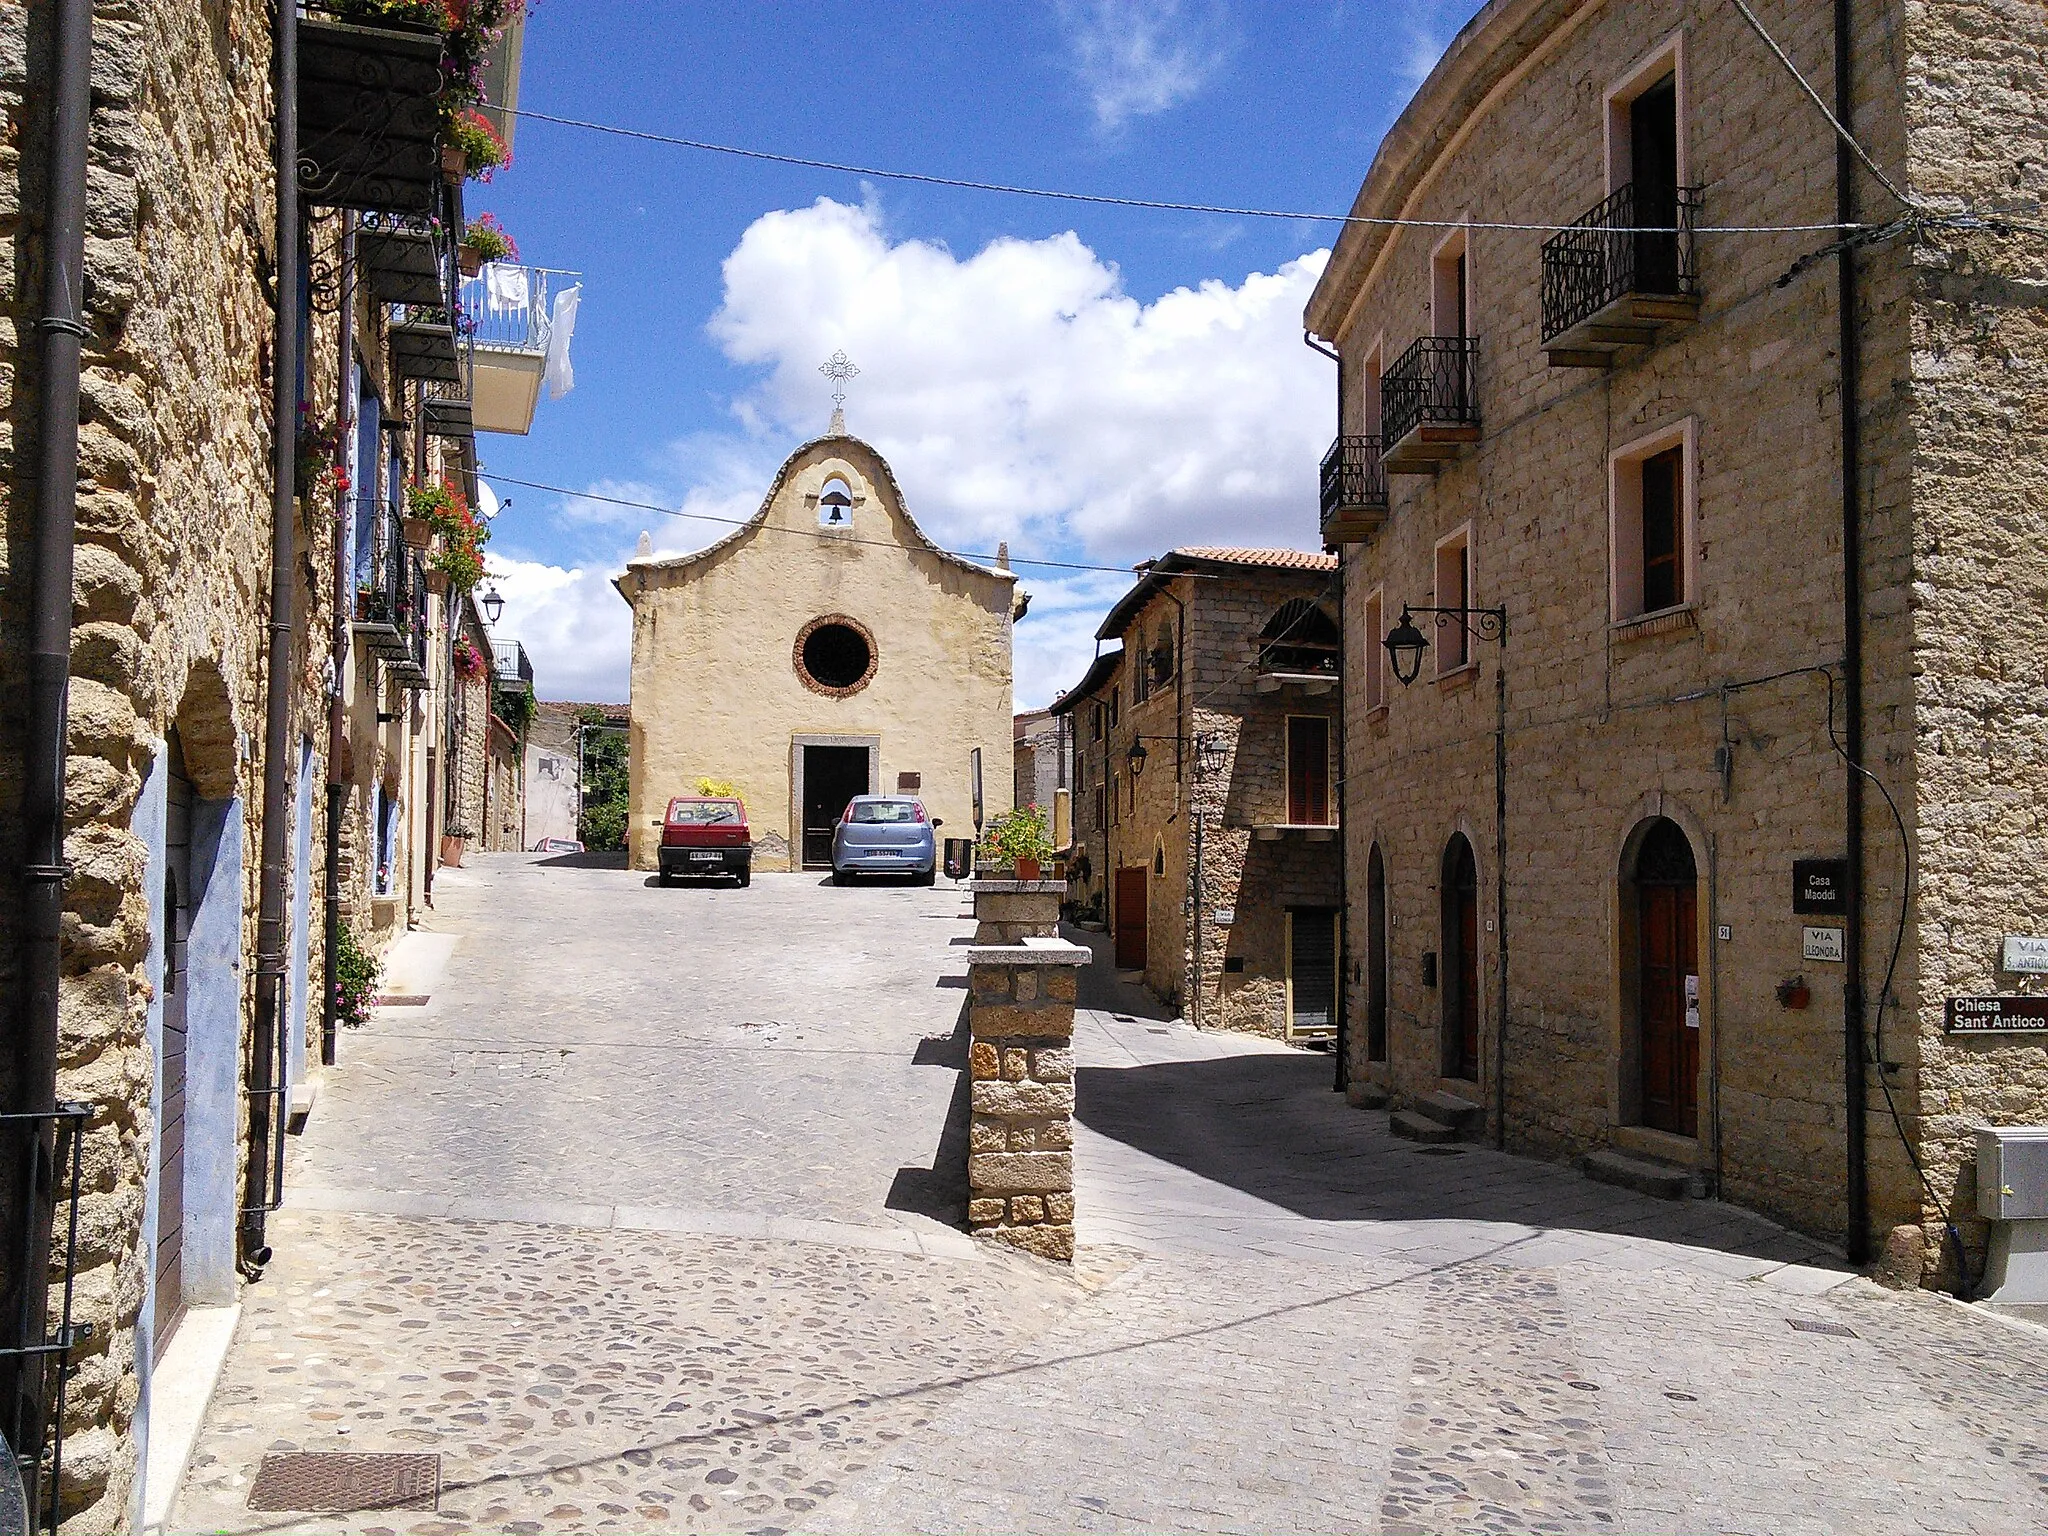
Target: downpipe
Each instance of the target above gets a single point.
(30, 1185)
(266, 1075)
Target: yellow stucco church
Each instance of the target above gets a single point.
(824, 649)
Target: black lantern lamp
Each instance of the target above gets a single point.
(1136, 758)
(1405, 645)
(493, 606)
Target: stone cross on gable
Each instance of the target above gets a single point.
(839, 368)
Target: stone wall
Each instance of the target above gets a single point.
(1612, 724)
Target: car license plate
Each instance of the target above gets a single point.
(706, 858)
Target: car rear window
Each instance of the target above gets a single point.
(885, 810)
(703, 813)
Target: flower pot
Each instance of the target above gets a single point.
(437, 582)
(1027, 869)
(451, 849)
(471, 258)
(419, 533)
(454, 163)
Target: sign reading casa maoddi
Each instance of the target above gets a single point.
(2025, 956)
(1996, 1015)
(1820, 885)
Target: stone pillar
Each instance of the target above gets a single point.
(1011, 911)
(1020, 1148)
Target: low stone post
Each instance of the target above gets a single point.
(1010, 911)
(1020, 1148)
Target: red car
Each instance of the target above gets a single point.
(706, 835)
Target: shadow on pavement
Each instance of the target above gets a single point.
(614, 859)
(1266, 1123)
(940, 1191)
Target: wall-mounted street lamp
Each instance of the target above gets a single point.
(1136, 758)
(1405, 643)
(493, 606)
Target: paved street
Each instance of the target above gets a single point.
(646, 1220)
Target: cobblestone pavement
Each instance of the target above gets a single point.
(700, 1274)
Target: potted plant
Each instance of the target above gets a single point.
(452, 839)
(484, 240)
(473, 148)
(469, 661)
(1019, 840)
(427, 507)
(437, 579)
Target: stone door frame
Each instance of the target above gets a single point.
(797, 743)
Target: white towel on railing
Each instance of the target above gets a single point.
(506, 285)
(559, 377)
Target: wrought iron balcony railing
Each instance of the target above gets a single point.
(1354, 489)
(369, 114)
(391, 601)
(514, 669)
(1434, 384)
(1635, 243)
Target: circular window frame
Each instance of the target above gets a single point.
(803, 673)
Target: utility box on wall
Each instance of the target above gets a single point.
(2012, 1194)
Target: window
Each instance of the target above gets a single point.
(1115, 695)
(1454, 590)
(1308, 771)
(1450, 290)
(835, 655)
(1162, 656)
(1113, 806)
(1652, 510)
(1102, 804)
(1096, 711)
(1375, 650)
(1301, 637)
(1141, 675)
(1644, 147)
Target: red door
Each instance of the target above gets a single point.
(1308, 771)
(1671, 1046)
(1461, 963)
(1667, 971)
(1130, 919)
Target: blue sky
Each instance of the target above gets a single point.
(1088, 383)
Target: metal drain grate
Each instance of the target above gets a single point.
(337, 1482)
(1838, 1330)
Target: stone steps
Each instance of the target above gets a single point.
(1645, 1175)
(1366, 1096)
(1410, 1126)
(1447, 1109)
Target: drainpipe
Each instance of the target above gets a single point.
(1343, 998)
(266, 1076)
(31, 1144)
(1858, 1245)
(346, 416)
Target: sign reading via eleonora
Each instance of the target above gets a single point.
(1822, 944)
(1996, 1015)
(1820, 885)
(2027, 957)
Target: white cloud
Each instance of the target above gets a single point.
(1139, 57)
(1021, 394)
(1427, 33)
(576, 628)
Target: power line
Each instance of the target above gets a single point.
(1150, 204)
(817, 533)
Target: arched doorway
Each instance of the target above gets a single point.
(1375, 956)
(1667, 979)
(1461, 960)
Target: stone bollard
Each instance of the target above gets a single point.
(1010, 911)
(1020, 1141)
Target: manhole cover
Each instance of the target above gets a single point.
(1838, 1330)
(335, 1482)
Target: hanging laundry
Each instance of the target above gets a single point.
(507, 287)
(559, 377)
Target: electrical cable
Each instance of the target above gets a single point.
(1148, 204)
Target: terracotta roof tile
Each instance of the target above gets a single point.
(1286, 559)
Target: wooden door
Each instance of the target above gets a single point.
(170, 1153)
(1668, 967)
(1311, 973)
(1461, 962)
(1376, 956)
(1130, 918)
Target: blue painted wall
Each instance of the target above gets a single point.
(213, 1052)
(302, 901)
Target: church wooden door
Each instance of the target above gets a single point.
(1130, 918)
(1667, 969)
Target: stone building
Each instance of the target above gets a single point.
(485, 788)
(1627, 431)
(825, 649)
(258, 655)
(1042, 767)
(1204, 752)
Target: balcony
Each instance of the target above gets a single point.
(512, 309)
(369, 116)
(1354, 490)
(423, 344)
(1620, 275)
(391, 603)
(509, 661)
(1429, 404)
(408, 258)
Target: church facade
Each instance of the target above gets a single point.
(825, 649)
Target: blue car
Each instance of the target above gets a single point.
(885, 835)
